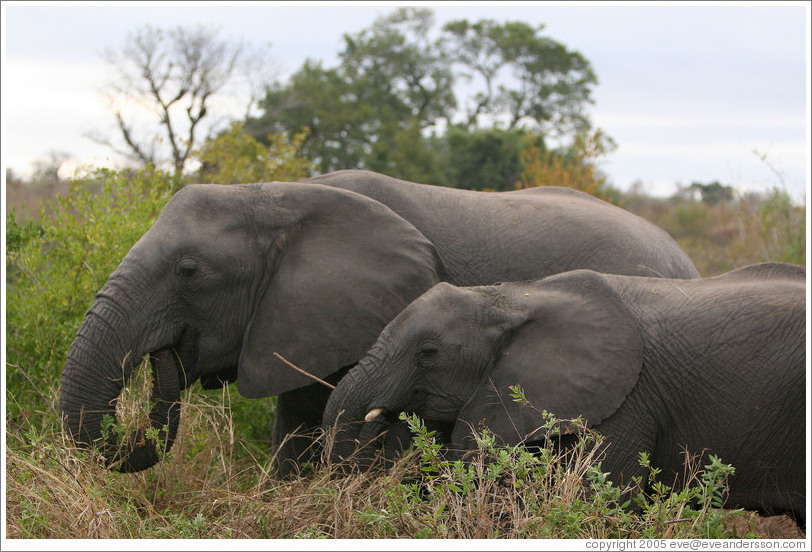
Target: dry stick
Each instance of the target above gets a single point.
(308, 374)
(34, 385)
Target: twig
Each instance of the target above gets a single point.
(681, 520)
(308, 374)
(34, 385)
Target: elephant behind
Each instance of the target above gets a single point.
(229, 275)
(711, 366)
(484, 237)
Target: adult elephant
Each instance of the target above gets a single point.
(713, 365)
(229, 275)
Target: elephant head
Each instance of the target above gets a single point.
(226, 277)
(452, 355)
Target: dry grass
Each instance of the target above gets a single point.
(26, 198)
(217, 483)
(212, 485)
(730, 234)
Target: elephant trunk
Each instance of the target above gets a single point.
(97, 368)
(355, 410)
(344, 415)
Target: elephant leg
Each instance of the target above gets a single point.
(297, 424)
(292, 437)
(627, 433)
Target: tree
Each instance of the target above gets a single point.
(172, 76)
(547, 86)
(486, 159)
(320, 100)
(234, 157)
(400, 76)
(385, 105)
(575, 167)
(391, 84)
(394, 65)
(713, 192)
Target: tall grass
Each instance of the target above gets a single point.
(718, 237)
(214, 485)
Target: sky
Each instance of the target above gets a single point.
(690, 92)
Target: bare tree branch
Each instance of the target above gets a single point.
(126, 133)
(169, 73)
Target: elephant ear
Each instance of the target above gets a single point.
(339, 273)
(577, 351)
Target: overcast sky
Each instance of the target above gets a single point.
(687, 92)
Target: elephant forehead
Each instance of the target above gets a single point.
(443, 299)
(206, 213)
(206, 200)
(441, 309)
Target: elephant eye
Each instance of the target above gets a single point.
(426, 354)
(187, 270)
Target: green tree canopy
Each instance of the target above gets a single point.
(713, 192)
(396, 66)
(234, 157)
(395, 95)
(527, 78)
(483, 159)
(321, 100)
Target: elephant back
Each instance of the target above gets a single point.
(483, 237)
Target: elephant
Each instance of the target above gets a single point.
(313, 271)
(472, 229)
(713, 365)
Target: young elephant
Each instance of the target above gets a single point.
(713, 365)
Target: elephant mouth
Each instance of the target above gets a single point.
(185, 358)
(416, 401)
(425, 404)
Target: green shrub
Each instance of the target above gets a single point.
(551, 493)
(721, 236)
(56, 266)
(234, 157)
(782, 228)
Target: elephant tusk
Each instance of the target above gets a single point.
(373, 414)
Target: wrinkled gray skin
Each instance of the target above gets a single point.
(714, 365)
(229, 275)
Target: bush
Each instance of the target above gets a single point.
(553, 492)
(575, 167)
(235, 157)
(55, 267)
(782, 228)
(724, 235)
